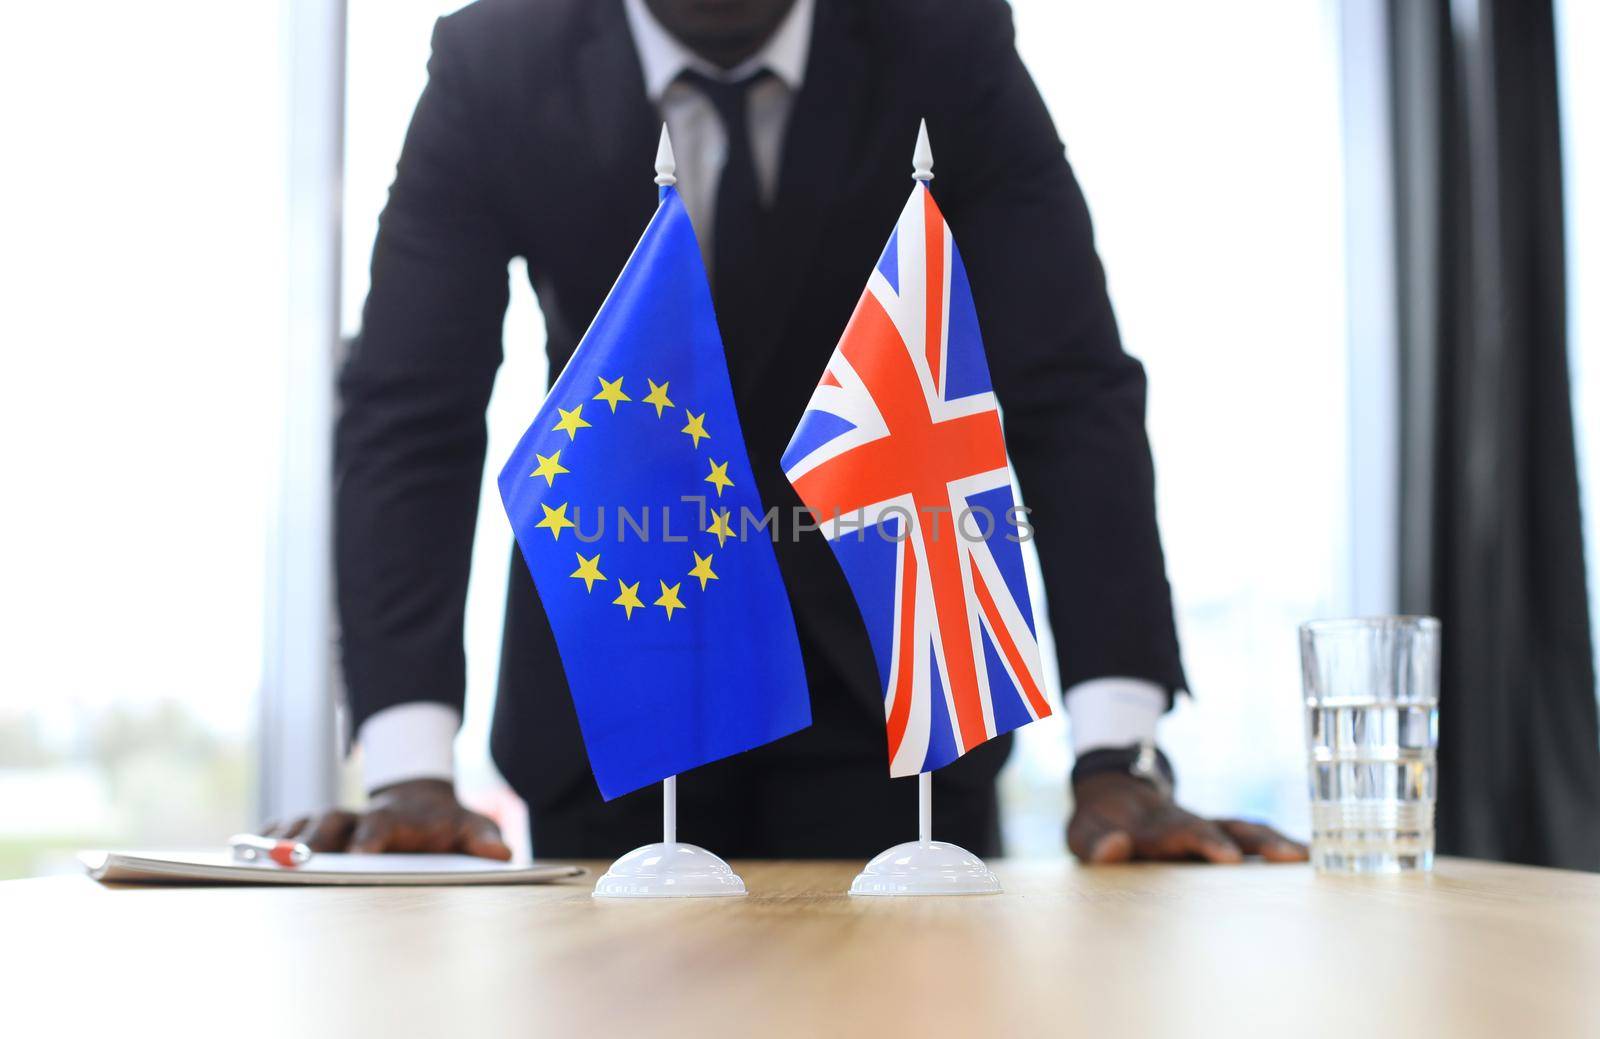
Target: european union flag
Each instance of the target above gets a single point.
(629, 494)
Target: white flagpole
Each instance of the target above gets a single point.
(922, 170)
(669, 810)
(926, 867)
(924, 807)
(666, 162)
(922, 157)
(668, 869)
(666, 174)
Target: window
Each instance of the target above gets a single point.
(1579, 84)
(143, 215)
(1207, 139)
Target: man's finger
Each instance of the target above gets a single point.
(292, 831)
(1093, 838)
(332, 831)
(1256, 839)
(1286, 850)
(1198, 839)
(373, 834)
(1116, 846)
(481, 837)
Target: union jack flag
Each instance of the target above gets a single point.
(900, 455)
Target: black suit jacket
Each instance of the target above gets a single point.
(534, 138)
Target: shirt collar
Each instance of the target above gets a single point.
(663, 57)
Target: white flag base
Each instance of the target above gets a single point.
(926, 868)
(669, 871)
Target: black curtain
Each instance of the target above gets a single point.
(1491, 539)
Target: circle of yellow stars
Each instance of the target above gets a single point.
(556, 519)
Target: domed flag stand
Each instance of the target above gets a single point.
(676, 635)
(901, 457)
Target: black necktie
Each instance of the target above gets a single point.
(736, 236)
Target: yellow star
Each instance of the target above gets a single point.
(588, 571)
(555, 519)
(571, 421)
(719, 476)
(669, 598)
(719, 527)
(696, 427)
(549, 468)
(702, 569)
(629, 598)
(611, 393)
(658, 396)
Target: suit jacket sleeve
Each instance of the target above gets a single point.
(409, 448)
(1073, 401)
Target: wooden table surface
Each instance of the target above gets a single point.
(1475, 949)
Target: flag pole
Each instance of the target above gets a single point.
(922, 156)
(669, 810)
(922, 171)
(666, 162)
(668, 869)
(666, 176)
(926, 867)
(924, 807)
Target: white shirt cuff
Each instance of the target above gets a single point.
(408, 741)
(1113, 712)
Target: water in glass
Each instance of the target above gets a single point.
(1371, 689)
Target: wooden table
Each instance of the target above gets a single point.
(1475, 949)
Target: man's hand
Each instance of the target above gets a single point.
(418, 815)
(1121, 818)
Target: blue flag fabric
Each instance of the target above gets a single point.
(627, 494)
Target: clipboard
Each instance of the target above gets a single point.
(326, 869)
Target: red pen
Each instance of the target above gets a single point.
(249, 847)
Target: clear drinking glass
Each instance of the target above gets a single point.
(1372, 732)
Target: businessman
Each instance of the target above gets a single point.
(793, 122)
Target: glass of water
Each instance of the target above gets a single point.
(1372, 729)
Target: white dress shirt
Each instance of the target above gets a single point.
(415, 740)
(698, 140)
